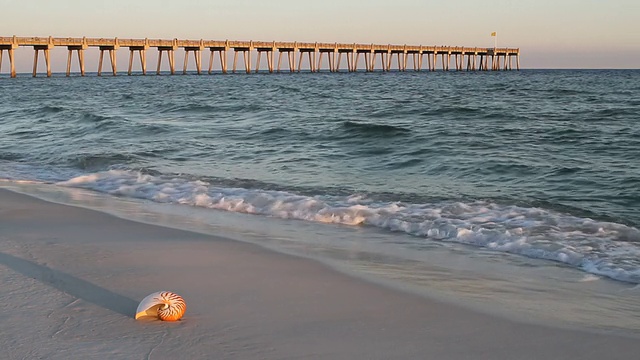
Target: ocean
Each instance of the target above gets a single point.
(513, 190)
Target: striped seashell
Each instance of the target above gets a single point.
(165, 305)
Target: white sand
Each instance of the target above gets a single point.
(71, 279)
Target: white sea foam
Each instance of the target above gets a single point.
(600, 248)
(590, 277)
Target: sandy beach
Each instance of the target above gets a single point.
(72, 279)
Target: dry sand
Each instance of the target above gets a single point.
(71, 279)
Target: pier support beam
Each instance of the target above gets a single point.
(10, 49)
(355, 63)
(112, 56)
(349, 55)
(246, 53)
(79, 49)
(420, 58)
(372, 60)
(222, 52)
(143, 59)
(402, 61)
(484, 61)
(142, 52)
(311, 54)
(383, 59)
(369, 59)
(457, 61)
(290, 57)
(330, 59)
(269, 51)
(400, 57)
(197, 56)
(368, 56)
(446, 60)
(471, 61)
(45, 49)
(170, 51)
(46, 59)
(416, 59)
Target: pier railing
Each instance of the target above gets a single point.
(465, 58)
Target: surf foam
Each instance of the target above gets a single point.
(600, 248)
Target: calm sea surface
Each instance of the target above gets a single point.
(485, 180)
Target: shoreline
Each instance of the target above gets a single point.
(73, 277)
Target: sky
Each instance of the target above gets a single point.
(549, 33)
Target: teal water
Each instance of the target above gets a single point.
(538, 164)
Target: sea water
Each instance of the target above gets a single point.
(502, 190)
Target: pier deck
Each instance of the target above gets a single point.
(465, 58)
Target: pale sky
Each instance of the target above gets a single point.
(550, 33)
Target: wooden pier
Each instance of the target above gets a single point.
(364, 56)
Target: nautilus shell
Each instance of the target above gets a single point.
(165, 305)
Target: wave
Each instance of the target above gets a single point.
(565, 92)
(373, 130)
(205, 109)
(601, 248)
(10, 156)
(451, 110)
(49, 109)
(88, 122)
(97, 162)
(621, 112)
(278, 132)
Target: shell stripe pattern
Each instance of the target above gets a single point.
(174, 306)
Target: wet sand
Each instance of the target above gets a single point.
(72, 279)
